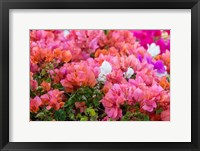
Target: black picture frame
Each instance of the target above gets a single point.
(5, 5)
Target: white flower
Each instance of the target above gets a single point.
(101, 78)
(66, 32)
(153, 49)
(128, 73)
(105, 69)
(161, 74)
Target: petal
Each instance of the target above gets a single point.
(148, 108)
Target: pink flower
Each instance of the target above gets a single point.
(34, 85)
(117, 62)
(55, 99)
(116, 76)
(165, 115)
(45, 99)
(106, 118)
(147, 36)
(35, 104)
(34, 67)
(118, 38)
(107, 86)
(156, 89)
(112, 101)
(46, 86)
(81, 106)
(147, 73)
(138, 95)
(149, 105)
(164, 45)
(79, 74)
(82, 43)
(58, 74)
(114, 113)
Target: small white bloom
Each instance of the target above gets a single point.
(129, 73)
(161, 74)
(105, 69)
(153, 49)
(66, 32)
(101, 78)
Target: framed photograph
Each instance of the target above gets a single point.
(99, 75)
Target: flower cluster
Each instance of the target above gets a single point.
(100, 75)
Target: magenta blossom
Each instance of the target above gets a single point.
(164, 45)
(149, 105)
(159, 66)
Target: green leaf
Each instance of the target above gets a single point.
(96, 102)
(127, 116)
(71, 116)
(32, 94)
(133, 76)
(146, 118)
(94, 118)
(168, 78)
(84, 118)
(58, 86)
(158, 111)
(137, 105)
(92, 55)
(39, 88)
(40, 115)
(78, 115)
(48, 80)
(50, 65)
(110, 119)
(106, 32)
(43, 72)
(91, 111)
(71, 101)
(49, 118)
(60, 115)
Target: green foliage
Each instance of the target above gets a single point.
(91, 97)
(44, 115)
(97, 96)
(72, 116)
(78, 116)
(40, 115)
(133, 76)
(136, 115)
(43, 72)
(84, 118)
(60, 115)
(92, 107)
(90, 112)
(48, 80)
(145, 117)
(92, 55)
(58, 86)
(39, 90)
(43, 75)
(168, 78)
(32, 94)
(158, 111)
(106, 32)
(127, 116)
(137, 106)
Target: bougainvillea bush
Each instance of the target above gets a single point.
(99, 75)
